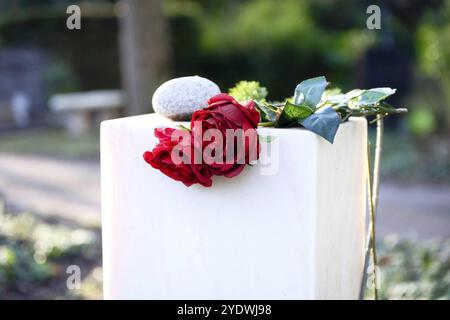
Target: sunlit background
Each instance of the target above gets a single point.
(56, 85)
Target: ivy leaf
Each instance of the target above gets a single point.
(323, 122)
(339, 99)
(310, 91)
(267, 112)
(293, 113)
(373, 96)
(353, 94)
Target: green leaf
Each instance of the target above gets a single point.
(337, 100)
(310, 91)
(267, 112)
(354, 93)
(373, 96)
(323, 122)
(293, 113)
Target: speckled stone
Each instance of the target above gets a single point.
(178, 98)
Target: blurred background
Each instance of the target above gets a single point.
(58, 83)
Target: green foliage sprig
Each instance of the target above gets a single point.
(322, 113)
(249, 90)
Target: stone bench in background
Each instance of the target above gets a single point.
(80, 108)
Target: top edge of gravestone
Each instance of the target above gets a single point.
(159, 120)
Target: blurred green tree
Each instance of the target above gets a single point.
(434, 54)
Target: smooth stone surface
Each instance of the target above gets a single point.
(179, 98)
(296, 232)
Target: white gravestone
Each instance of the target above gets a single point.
(295, 234)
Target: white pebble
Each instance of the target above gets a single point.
(180, 97)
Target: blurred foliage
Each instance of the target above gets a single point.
(51, 142)
(34, 256)
(422, 121)
(411, 270)
(60, 78)
(406, 159)
(433, 44)
(276, 42)
(427, 108)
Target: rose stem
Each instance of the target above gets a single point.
(266, 124)
(373, 190)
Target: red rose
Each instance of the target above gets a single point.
(222, 140)
(162, 158)
(227, 115)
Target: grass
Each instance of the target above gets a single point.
(50, 142)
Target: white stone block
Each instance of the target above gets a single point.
(295, 234)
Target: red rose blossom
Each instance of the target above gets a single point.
(224, 113)
(161, 158)
(184, 159)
